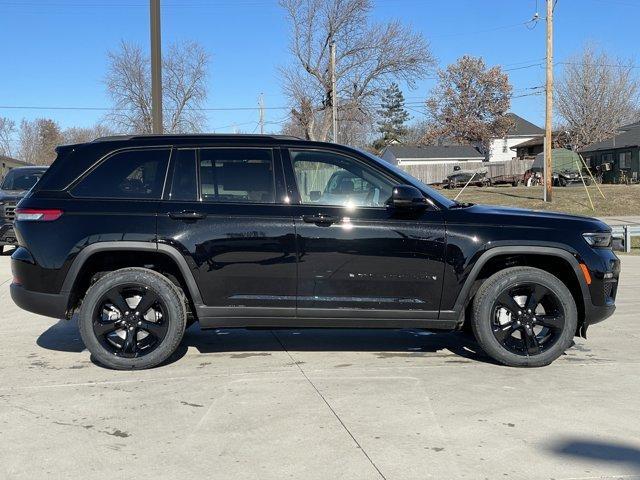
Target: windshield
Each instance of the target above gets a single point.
(438, 197)
(21, 179)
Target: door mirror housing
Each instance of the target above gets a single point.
(407, 197)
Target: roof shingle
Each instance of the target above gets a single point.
(628, 138)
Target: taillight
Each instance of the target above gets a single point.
(37, 214)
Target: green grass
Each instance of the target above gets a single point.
(621, 200)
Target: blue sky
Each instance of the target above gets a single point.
(53, 52)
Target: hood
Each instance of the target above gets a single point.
(9, 195)
(522, 217)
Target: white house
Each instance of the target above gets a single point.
(521, 131)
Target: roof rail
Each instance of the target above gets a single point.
(113, 138)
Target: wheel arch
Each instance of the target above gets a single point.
(557, 261)
(109, 256)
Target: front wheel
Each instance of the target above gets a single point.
(524, 317)
(132, 318)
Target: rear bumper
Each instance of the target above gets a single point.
(7, 235)
(47, 304)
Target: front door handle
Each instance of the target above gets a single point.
(320, 219)
(187, 215)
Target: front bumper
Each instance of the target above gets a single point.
(598, 313)
(47, 304)
(605, 273)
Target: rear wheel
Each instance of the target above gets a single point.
(524, 317)
(132, 318)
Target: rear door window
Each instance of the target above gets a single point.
(136, 174)
(244, 175)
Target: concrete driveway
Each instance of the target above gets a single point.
(314, 404)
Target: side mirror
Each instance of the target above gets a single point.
(407, 197)
(314, 195)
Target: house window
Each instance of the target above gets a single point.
(607, 158)
(588, 160)
(504, 146)
(625, 160)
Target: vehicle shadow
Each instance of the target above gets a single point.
(64, 336)
(599, 451)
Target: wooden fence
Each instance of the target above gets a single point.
(436, 173)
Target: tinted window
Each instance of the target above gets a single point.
(129, 174)
(327, 178)
(441, 199)
(21, 179)
(237, 175)
(184, 184)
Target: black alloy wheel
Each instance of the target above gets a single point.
(130, 320)
(527, 319)
(524, 317)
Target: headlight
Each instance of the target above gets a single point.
(598, 239)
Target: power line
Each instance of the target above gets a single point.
(188, 4)
(218, 109)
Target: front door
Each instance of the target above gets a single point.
(357, 257)
(225, 211)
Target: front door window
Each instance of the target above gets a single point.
(326, 178)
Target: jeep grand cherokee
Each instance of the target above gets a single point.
(141, 235)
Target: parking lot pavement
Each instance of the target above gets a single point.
(319, 404)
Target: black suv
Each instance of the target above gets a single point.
(142, 235)
(15, 185)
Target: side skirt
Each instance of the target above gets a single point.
(217, 317)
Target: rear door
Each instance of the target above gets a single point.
(357, 257)
(225, 210)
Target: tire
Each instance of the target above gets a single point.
(550, 332)
(133, 339)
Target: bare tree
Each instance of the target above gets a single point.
(86, 134)
(7, 131)
(416, 131)
(595, 95)
(469, 104)
(184, 80)
(369, 56)
(38, 140)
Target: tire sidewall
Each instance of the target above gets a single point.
(498, 283)
(161, 286)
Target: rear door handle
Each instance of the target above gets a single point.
(187, 215)
(320, 219)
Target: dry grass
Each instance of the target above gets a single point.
(620, 199)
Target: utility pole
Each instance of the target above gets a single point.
(261, 106)
(156, 69)
(548, 143)
(334, 102)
